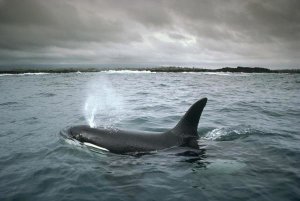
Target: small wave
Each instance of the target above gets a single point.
(229, 134)
(8, 103)
(22, 74)
(142, 93)
(127, 71)
(46, 94)
(217, 73)
(35, 73)
(6, 74)
(191, 72)
(226, 74)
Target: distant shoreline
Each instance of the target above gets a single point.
(171, 69)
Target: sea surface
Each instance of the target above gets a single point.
(249, 136)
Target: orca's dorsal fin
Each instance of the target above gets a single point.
(188, 124)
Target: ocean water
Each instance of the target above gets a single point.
(249, 136)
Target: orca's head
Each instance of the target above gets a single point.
(76, 132)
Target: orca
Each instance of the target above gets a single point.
(184, 134)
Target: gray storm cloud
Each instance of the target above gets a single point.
(167, 32)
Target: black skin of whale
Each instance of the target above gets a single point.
(121, 142)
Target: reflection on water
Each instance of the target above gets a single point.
(195, 157)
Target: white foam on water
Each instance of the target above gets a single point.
(226, 74)
(72, 142)
(217, 73)
(127, 71)
(215, 134)
(34, 74)
(22, 74)
(228, 134)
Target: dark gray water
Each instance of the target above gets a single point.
(249, 136)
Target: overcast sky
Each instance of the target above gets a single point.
(203, 33)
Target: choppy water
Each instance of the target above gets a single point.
(249, 136)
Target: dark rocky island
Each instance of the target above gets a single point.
(171, 69)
